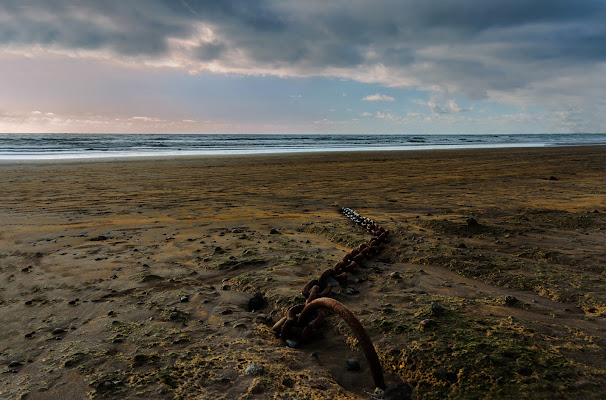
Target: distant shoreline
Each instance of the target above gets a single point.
(54, 147)
(269, 153)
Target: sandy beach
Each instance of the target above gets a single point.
(131, 279)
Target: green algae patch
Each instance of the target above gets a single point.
(462, 356)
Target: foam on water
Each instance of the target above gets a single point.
(84, 146)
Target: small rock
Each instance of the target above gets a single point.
(184, 299)
(29, 302)
(552, 178)
(255, 369)
(99, 238)
(353, 365)
(293, 343)
(15, 364)
(219, 250)
(225, 287)
(73, 302)
(395, 275)
(30, 335)
(257, 302)
(471, 222)
(436, 308)
(58, 331)
(274, 231)
(510, 300)
(332, 281)
(27, 269)
(461, 246)
(351, 291)
(111, 313)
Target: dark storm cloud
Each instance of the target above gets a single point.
(469, 46)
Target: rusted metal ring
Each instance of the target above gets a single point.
(357, 328)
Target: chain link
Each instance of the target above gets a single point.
(302, 322)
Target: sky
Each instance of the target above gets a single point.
(294, 66)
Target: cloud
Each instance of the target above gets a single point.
(48, 122)
(378, 97)
(388, 116)
(147, 119)
(501, 50)
(366, 114)
(326, 121)
(450, 106)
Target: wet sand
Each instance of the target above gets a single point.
(131, 278)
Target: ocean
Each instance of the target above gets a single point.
(82, 146)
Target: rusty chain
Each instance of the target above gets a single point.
(302, 322)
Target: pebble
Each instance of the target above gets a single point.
(293, 343)
(510, 300)
(395, 275)
(257, 302)
(472, 222)
(255, 369)
(273, 231)
(353, 365)
(73, 302)
(351, 291)
(427, 323)
(15, 364)
(184, 299)
(436, 308)
(332, 281)
(58, 331)
(111, 313)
